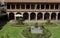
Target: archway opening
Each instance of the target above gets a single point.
(58, 16)
(39, 16)
(11, 16)
(32, 16)
(18, 13)
(25, 16)
(53, 16)
(46, 16)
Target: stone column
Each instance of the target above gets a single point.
(14, 15)
(40, 6)
(49, 6)
(54, 6)
(59, 7)
(25, 6)
(22, 13)
(44, 6)
(43, 15)
(30, 6)
(15, 6)
(50, 15)
(29, 16)
(35, 6)
(36, 16)
(10, 6)
(56, 16)
(8, 13)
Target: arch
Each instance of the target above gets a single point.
(18, 13)
(11, 16)
(46, 16)
(32, 16)
(58, 16)
(39, 16)
(25, 16)
(53, 16)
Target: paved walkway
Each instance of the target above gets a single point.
(33, 21)
(40, 21)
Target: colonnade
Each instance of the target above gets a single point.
(36, 16)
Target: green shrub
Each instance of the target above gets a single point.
(48, 22)
(20, 20)
(27, 33)
(36, 24)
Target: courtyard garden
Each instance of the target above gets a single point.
(11, 30)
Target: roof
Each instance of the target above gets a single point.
(51, 1)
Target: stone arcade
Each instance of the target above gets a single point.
(34, 10)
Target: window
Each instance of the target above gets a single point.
(38, 6)
(17, 6)
(42, 6)
(27, 6)
(22, 6)
(52, 6)
(47, 6)
(32, 6)
(56, 6)
(13, 6)
(8, 6)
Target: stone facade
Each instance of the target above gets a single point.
(34, 11)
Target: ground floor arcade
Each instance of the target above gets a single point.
(36, 16)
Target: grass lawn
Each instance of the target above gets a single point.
(16, 32)
(55, 31)
(12, 32)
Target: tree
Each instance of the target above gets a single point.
(20, 20)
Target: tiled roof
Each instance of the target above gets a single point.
(33, 1)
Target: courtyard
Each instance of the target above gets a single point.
(11, 31)
(30, 11)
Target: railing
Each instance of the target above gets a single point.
(33, 9)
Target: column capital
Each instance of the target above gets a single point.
(29, 12)
(57, 12)
(36, 12)
(8, 12)
(14, 13)
(22, 13)
(43, 12)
